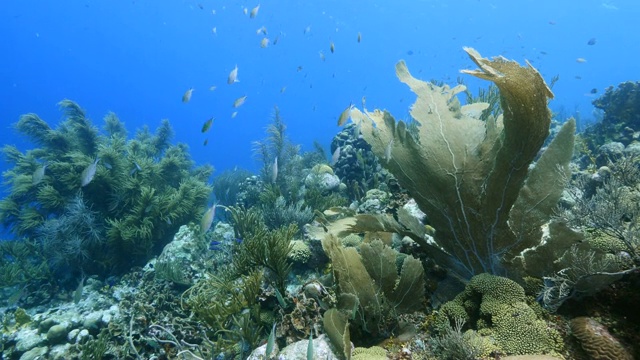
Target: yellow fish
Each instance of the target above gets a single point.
(239, 101)
(344, 116)
(187, 96)
(264, 43)
(207, 125)
(207, 218)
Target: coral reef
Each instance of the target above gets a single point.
(621, 122)
(357, 166)
(472, 177)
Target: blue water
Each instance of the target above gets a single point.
(138, 57)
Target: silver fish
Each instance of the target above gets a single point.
(77, 293)
(254, 12)
(335, 156)
(38, 175)
(207, 218)
(239, 101)
(233, 76)
(387, 151)
(89, 173)
(274, 170)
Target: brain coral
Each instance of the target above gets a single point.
(596, 341)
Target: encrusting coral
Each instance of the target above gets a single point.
(122, 200)
(472, 177)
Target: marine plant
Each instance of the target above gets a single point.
(226, 185)
(122, 199)
(370, 291)
(471, 177)
(229, 305)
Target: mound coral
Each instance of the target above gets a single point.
(596, 340)
(497, 306)
(121, 200)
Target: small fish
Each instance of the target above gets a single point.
(135, 169)
(310, 352)
(357, 130)
(239, 101)
(262, 30)
(107, 165)
(245, 11)
(552, 22)
(201, 6)
(89, 173)
(591, 41)
(187, 95)
(206, 141)
(207, 218)
(212, 87)
(299, 68)
(282, 89)
(234, 114)
(387, 151)
(364, 101)
(335, 156)
(38, 175)
(359, 37)
(233, 76)
(271, 342)
(322, 57)
(332, 47)
(594, 91)
(344, 116)
(307, 30)
(254, 12)
(264, 43)
(578, 77)
(214, 31)
(213, 11)
(581, 60)
(207, 125)
(214, 245)
(77, 293)
(274, 170)
(275, 41)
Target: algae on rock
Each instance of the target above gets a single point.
(472, 177)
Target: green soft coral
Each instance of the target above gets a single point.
(143, 190)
